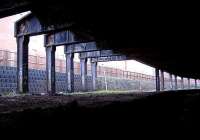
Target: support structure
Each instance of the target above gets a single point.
(83, 62)
(171, 81)
(100, 53)
(94, 74)
(109, 58)
(95, 60)
(70, 71)
(182, 83)
(188, 83)
(22, 64)
(50, 69)
(157, 79)
(196, 83)
(162, 80)
(175, 82)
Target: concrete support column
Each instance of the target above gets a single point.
(22, 64)
(83, 62)
(196, 83)
(175, 82)
(94, 74)
(157, 79)
(50, 70)
(171, 81)
(70, 71)
(182, 83)
(162, 80)
(188, 83)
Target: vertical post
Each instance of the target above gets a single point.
(70, 71)
(171, 81)
(162, 80)
(22, 64)
(196, 83)
(182, 83)
(188, 83)
(83, 62)
(176, 84)
(5, 58)
(157, 79)
(37, 62)
(105, 79)
(50, 69)
(94, 74)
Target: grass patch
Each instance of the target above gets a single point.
(102, 92)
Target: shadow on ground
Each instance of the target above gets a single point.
(176, 110)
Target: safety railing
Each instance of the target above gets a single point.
(8, 58)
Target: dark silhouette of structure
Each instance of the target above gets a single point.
(165, 39)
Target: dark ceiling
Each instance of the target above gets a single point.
(164, 36)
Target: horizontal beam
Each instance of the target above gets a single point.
(64, 38)
(30, 25)
(109, 58)
(100, 53)
(83, 47)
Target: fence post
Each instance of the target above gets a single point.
(5, 58)
(105, 79)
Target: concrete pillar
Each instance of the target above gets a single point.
(94, 74)
(195, 83)
(171, 81)
(83, 62)
(22, 64)
(50, 70)
(188, 83)
(175, 82)
(157, 79)
(70, 71)
(162, 80)
(182, 83)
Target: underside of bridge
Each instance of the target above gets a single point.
(158, 36)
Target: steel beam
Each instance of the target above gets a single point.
(65, 38)
(82, 47)
(22, 64)
(50, 70)
(109, 58)
(175, 82)
(94, 74)
(162, 80)
(30, 25)
(70, 71)
(157, 79)
(83, 62)
(101, 53)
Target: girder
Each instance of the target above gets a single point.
(109, 58)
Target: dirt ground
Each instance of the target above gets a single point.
(173, 110)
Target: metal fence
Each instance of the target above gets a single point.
(8, 58)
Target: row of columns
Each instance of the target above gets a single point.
(160, 81)
(22, 68)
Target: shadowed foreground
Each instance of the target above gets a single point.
(172, 110)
